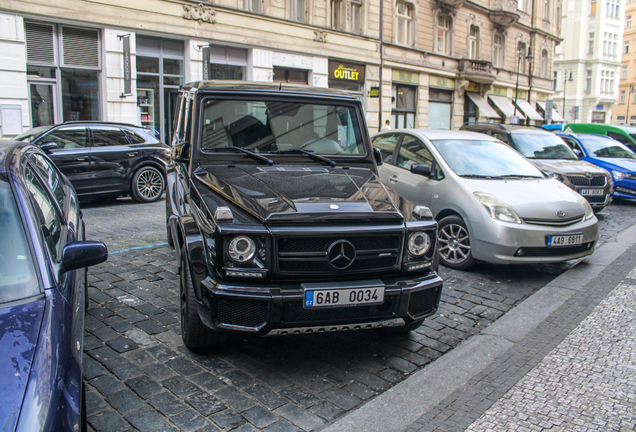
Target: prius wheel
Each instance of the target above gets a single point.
(195, 334)
(147, 185)
(454, 243)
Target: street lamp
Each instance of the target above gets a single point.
(529, 58)
(565, 81)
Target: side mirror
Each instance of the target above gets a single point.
(83, 254)
(421, 169)
(377, 156)
(181, 151)
(577, 152)
(48, 146)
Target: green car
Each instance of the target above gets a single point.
(624, 134)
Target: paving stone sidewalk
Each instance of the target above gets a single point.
(140, 376)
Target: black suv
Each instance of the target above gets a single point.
(105, 159)
(280, 222)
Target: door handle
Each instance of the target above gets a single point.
(83, 158)
(132, 154)
(393, 179)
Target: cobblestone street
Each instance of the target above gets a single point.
(140, 376)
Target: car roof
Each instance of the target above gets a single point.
(441, 134)
(510, 128)
(585, 135)
(628, 129)
(264, 87)
(5, 147)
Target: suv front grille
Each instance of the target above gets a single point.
(598, 180)
(308, 255)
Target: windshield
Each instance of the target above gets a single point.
(606, 148)
(32, 134)
(544, 146)
(17, 274)
(485, 159)
(269, 126)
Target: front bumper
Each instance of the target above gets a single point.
(278, 309)
(625, 188)
(507, 243)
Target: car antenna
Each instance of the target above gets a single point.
(280, 86)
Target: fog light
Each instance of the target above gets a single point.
(520, 252)
(417, 266)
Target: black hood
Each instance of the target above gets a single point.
(281, 194)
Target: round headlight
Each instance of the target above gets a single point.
(419, 243)
(241, 249)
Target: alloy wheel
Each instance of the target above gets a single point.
(454, 243)
(149, 184)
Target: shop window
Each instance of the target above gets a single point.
(497, 50)
(227, 63)
(473, 42)
(403, 106)
(63, 67)
(160, 64)
(443, 29)
(404, 24)
(287, 75)
(439, 108)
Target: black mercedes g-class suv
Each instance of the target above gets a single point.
(280, 222)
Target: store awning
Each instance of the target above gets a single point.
(527, 109)
(556, 117)
(484, 109)
(506, 107)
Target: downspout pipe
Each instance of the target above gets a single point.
(530, 49)
(381, 63)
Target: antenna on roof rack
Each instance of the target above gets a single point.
(280, 86)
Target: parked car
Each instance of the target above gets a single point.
(279, 220)
(609, 154)
(105, 159)
(554, 127)
(43, 260)
(491, 203)
(624, 134)
(552, 155)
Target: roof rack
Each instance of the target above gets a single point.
(100, 122)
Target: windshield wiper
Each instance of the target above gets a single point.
(518, 176)
(305, 152)
(479, 176)
(247, 152)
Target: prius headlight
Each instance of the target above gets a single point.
(586, 205)
(496, 208)
(241, 249)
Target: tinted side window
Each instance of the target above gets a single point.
(50, 175)
(501, 136)
(108, 136)
(620, 137)
(45, 213)
(386, 145)
(413, 151)
(133, 137)
(67, 137)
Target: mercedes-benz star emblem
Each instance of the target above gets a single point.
(560, 213)
(341, 254)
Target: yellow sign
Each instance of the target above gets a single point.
(542, 97)
(498, 91)
(436, 81)
(472, 87)
(406, 77)
(345, 73)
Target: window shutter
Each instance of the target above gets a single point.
(39, 42)
(80, 47)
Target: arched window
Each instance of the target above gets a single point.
(544, 63)
(443, 33)
(497, 50)
(521, 57)
(473, 42)
(404, 18)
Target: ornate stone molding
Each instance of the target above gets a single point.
(199, 13)
(321, 36)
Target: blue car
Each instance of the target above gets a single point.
(610, 154)
(43, 260)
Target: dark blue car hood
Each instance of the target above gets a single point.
(612, 163)
(19, 330)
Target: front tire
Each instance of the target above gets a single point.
(454, 243)
(195, 334)
(147, 185)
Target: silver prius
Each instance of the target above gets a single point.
(491, 203)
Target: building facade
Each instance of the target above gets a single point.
(588, 62)
(627, 81)
(442, 62)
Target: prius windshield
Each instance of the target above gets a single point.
(485, 159)
(606, 148)
(542, 146)
(263, 126)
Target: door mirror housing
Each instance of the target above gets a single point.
(81, 254)
(577, 152)
(48, 146)
(421, 169)
(377, 156)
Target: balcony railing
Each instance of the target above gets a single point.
(476, 70)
